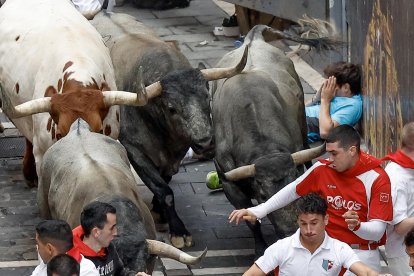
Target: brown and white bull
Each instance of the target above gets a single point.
(52, 60)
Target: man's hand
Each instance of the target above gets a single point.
(352, 219)
(244, 214)
(142, 274)
(328, 89)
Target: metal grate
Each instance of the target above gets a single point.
(12, 147)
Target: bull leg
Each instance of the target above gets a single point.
(29, 165)
(164, 195)
(240, 200)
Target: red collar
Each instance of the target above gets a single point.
(82, 247)
(74, 252)
(400, 158)
(365, 163)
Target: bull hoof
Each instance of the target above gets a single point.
(177, 242)
(188, 241)
(31, 183)
(181, 241)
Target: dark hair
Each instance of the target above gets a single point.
(409, 238)
(346, 135)
(94, 215)
(56, 232)
(311, 203)
(345, 72)
(63, 265)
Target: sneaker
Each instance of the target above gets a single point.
(213, 181)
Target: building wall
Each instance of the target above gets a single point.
(382, 41)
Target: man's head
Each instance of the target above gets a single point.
(98, 220)
(409, 246)
(407, 137)
(63, 265)
(348, 78)
(53, 237)
(343, 145)
(312, 218)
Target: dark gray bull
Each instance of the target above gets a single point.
(85, 166)
(260, 128)
(158, 136)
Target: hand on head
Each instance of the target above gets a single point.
(328, 88)
(242, 214)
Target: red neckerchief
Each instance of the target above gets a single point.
(400, 158)
(365, 163)
(74, 252)
(82, 247)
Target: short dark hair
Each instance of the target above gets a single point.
(56, 232)
(63, 265)
(346, 135)
(311, 203)
(94, 215)
(409, 238)
(345, 72)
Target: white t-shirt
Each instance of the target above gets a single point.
(402, 192)
(87, 268)
(293, 259)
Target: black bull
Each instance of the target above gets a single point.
(259, 121)
(158, 135)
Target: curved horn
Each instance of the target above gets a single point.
(241, 172)
(135, 99)
(306, 155)
(31, 107)
(221, 73)
(169, 251)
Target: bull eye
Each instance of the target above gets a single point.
(172, 109)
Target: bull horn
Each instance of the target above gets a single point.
(241, 172)
(31, 107)
(221, 73)
(303, 156)
(169, 251)
(135, 99)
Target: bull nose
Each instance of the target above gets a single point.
(203, 145)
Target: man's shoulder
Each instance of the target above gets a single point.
(87, 267)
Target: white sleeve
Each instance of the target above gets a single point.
(87, 268)
(87, 7)
(371, 230)
(40, 270)
(348, 256)
(279, 200)
(271, 258)
(399, 199)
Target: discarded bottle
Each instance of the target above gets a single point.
(239, 42)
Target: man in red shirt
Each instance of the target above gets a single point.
(357, 190)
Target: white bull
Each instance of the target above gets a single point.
(50, 53)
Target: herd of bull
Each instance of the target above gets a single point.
(74, 86)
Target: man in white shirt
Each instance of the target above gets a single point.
(54, 237)
(409, 249)
(310, 251)
(401, 173)
(89, 8)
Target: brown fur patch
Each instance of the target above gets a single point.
(49, 124)
(17, 88)
(29, 165)
(66, 76)
(50, 91)
(53, 132)
(107, 130)
(59, 84)
(67, 65)
(105, 87)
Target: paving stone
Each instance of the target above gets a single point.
(170, 22)
(196, 8)
(138, 13)
(189, 37)
(191, 29)
(211, 45)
